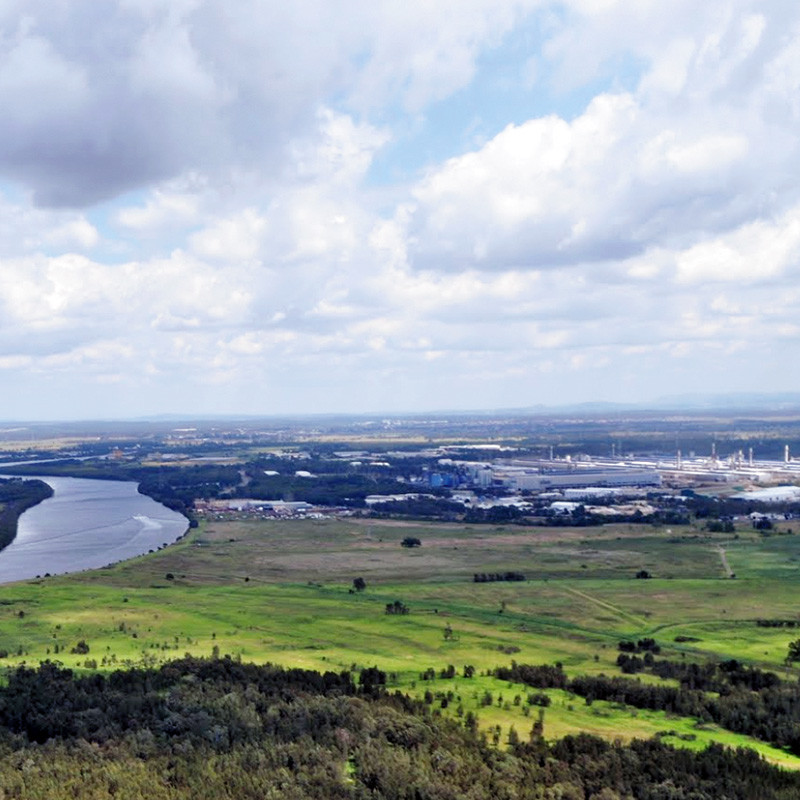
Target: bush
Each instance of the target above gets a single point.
(396, 608)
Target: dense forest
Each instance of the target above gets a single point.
(17, 496)
(740, 698)
(177, 487)
(216, 728)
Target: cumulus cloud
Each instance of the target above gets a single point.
(222, 197)
(99, 99)
(621, 177)
(753, 252)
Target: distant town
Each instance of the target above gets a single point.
(527, 470)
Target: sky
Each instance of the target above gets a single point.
(364, 206)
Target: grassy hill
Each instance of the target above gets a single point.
(282, 591)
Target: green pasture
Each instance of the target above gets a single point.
(282, 592)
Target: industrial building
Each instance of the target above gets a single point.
(522, 479)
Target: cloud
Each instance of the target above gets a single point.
(757, 251)
(233, 239)
(216, 205)
(549, 192)
(102, 99)
(77, 233)
(166, 207)
(697, 148)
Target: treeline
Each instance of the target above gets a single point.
(540, 676)
(206, 729)
(742, 699)
(322, 460)
(724, 508)
(177, 487)
(348, 490)
(497, 515)
(492, 577)
(446, 510)
(778, 623)
(721, 678)
(17, 496)
(420, 508)
(52, 702)
(646, 645)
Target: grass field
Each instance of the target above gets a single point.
(280, 591)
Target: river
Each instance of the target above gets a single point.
(87, 524)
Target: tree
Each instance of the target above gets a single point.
(794, 651)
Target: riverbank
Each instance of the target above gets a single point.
(150, 481)
(87, 524)
(16, 497)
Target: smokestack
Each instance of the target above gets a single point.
(750, 456)
(786, 457)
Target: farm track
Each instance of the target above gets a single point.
(642, 623)
(724, 558)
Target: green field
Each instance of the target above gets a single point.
(280, 591)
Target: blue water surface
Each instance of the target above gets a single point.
(87, 524)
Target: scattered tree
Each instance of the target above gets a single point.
(794, 651)
(396, 608)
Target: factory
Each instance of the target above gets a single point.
(594, 475)
(522, 479)
(542, 476)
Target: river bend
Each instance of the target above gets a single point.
(86, 524)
